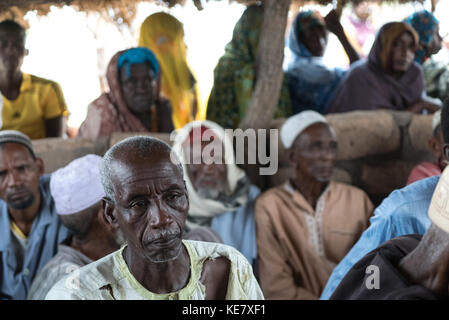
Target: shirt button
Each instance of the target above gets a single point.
(26, 272)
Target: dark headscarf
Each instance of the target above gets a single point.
(368, 85)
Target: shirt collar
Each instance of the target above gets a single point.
(26, 82)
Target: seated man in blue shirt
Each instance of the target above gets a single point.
(30, 229)
(403, 212)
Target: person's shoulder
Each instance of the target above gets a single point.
(411, 201)
(210, 250)
(85, 282)
(35, 80)
(421, 190)
(345, 188)
(272, 194)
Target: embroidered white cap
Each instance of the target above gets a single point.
(296, 124)
(439, 206)
(77, 186)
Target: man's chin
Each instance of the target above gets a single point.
(165, 255)
(21, 204)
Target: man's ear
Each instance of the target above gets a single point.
(435, 147)
(108, 208)
(446, 152)
(40, 165)
(290, 156)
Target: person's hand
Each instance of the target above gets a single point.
(333, 23)
(421, 105)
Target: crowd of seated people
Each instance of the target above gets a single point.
(149, 220)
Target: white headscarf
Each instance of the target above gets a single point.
(202, 210)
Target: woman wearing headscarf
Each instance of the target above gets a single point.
(163, 34)
(311, 81)
(235, 74)
(133, 103)
(389, 79)
(428, 28)
(436, 72)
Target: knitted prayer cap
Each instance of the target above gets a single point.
(13, 136)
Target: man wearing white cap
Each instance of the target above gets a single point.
(407, 267)
(436, 143)
(77, 192)
(306, 226)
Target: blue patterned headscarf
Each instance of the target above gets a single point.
(136, 56)
(425, 23)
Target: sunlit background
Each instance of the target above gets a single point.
(73, 48)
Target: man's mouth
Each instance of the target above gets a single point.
(163, 241)
(18, 195)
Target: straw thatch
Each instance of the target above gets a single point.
(124, 9)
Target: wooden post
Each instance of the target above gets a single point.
(270, 54)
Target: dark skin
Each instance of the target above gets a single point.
(19, 184)
(140, 92)
(99, 240)
(428, 264)
(12, 53)
(150, 207)
(402, 54)
(313, 156)
(316, 39)
(201, 174)
(436, 144)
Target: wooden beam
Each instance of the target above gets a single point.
(270, 54)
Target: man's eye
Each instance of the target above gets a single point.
(138, 204)
(173, 196)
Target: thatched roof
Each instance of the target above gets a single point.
(117, 10)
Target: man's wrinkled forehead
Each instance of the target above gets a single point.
(125, 171)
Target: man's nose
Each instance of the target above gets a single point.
(14, 179)
(160, 218)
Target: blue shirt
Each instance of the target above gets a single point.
(45, 235)
(238, 228)
(403, 212)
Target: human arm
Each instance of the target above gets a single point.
(53, 127)
(421, 105)
(333, 25)
(164, 116)
(54, 109)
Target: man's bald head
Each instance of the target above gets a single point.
(130, 150)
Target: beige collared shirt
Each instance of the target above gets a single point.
(298, 246)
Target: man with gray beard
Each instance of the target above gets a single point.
(30, 229)
(220, 193)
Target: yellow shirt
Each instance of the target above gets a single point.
(39, 99)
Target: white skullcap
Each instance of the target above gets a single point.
(439, 206)
(436, 120)
(77, 186)
(297, 124)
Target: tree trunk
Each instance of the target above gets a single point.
(269, 73)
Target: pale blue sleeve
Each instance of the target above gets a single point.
(403, 212)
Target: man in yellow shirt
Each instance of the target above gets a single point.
(32, 105)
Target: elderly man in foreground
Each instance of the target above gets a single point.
(147, 198)
(409, 267)
(306, 226)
